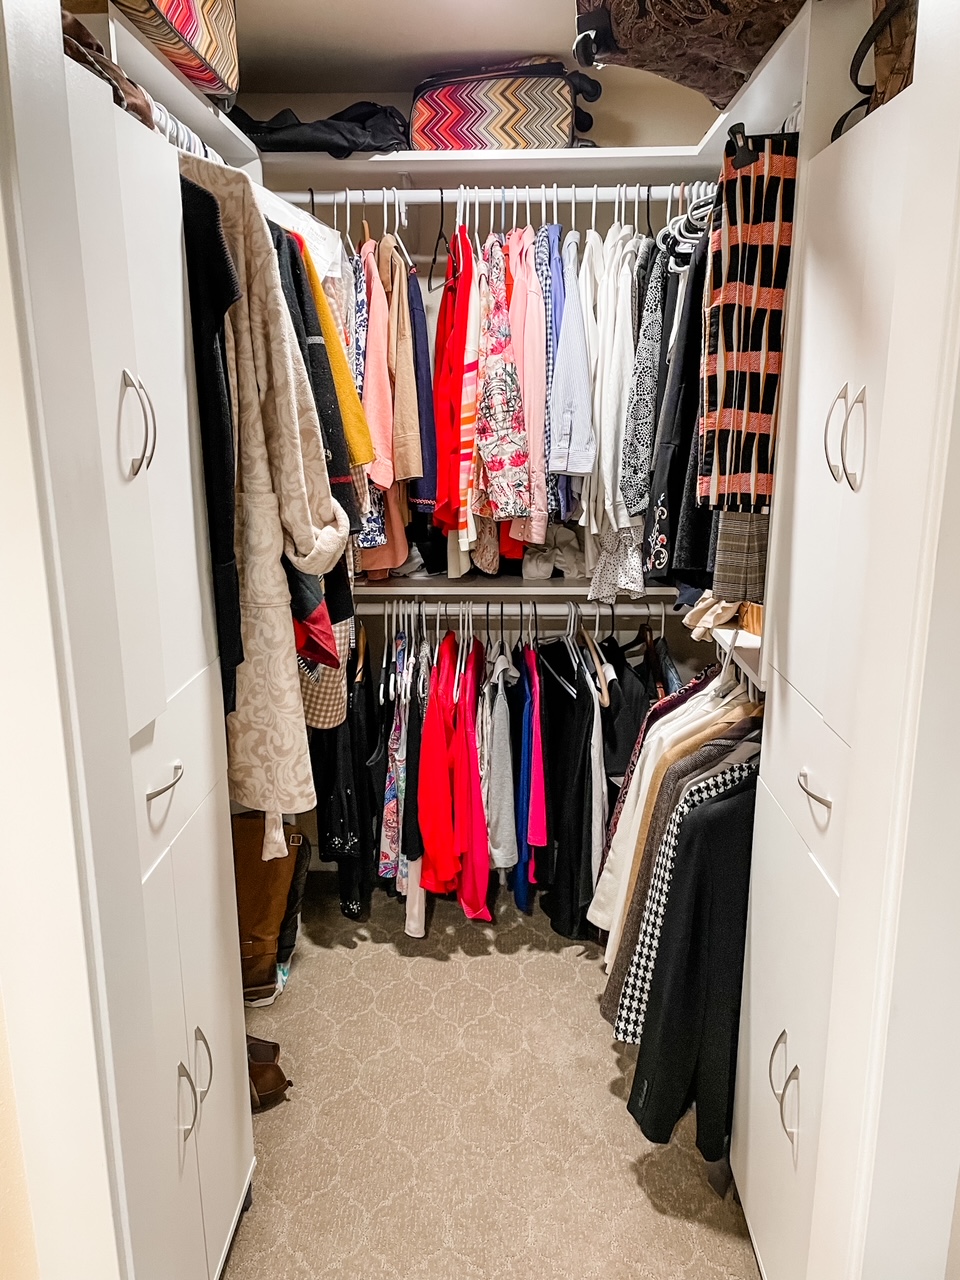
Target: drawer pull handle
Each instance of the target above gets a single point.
(804, 787)
(142, 390)
(184, 1074)
(842, 394)
(853, 480)
(792, 1078)
(132, 383)
(202, 1039)
(780, 1040)
(177, 775)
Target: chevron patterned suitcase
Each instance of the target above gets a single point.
(198, 36)
(524, 105)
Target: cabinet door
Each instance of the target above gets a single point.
(213, 1000)
(809, 569)
(783, 1031)
(177, 1183)
(881, 135)
(804, 766)
(125, 427)
(153, 234)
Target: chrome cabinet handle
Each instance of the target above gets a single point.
(184, 1074)
(842, 394)
(202, 1039)
(780, 1040)
(142, 391)
(131, 383)
(853, 480)
(177, 775)
(804, 787)
(792, 1078)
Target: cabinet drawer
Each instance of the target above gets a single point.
(800, 750)
(784, 1016)
(189, 734)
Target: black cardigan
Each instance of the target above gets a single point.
(306, 323)
(688, 1050)
(214, 288)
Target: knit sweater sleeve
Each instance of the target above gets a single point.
(315, 526)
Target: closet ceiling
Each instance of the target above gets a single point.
(316, 46)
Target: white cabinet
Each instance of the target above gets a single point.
(185, 747)
(783, 1035)
(804, 765)
(213, 1004)
(126, 426)
(190, 909)
(153, 233)
(177, 1185)
(850, 219)
(128, 186)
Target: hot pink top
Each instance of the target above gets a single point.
(470, 820)
(537, 816)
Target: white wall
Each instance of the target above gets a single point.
(17, 1246)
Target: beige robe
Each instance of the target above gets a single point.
(284, 505)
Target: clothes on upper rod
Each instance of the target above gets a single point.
(566, 387)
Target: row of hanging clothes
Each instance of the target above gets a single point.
(671, 900)
(532, 444)
(486, 753)
(596, 406)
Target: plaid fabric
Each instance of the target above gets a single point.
(740, 569)
(324, 691)
(751, 237)
(636, 987)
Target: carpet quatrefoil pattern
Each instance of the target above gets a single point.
(458, 1113)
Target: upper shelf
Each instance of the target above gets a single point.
(146, 65)
(769, 97)
(286, 170)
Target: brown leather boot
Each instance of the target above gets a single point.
(262, 891)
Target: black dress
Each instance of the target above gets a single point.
(214, 288)
(688, 1050)
(567, 757)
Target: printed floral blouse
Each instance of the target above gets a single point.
(503, 460)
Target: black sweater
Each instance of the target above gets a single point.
(688, 1051)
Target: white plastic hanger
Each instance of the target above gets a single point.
(556, 211)
(514, 214)
(573, 207)
(543, 205)
(593, 211)
(396, 229)
(346, 227)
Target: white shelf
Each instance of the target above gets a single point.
(161, 79)
(286, 170)
(762, 104)
(746, 654)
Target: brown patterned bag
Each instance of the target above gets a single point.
(893, 39)
(710, 45)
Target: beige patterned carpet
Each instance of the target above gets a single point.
(458, 1114)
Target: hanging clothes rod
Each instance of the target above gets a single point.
(450, 195)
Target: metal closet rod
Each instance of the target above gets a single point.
(432, 195)
(544, 608)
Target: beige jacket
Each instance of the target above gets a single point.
(407, 460)
(284, 505)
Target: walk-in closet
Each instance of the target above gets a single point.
(478, 517)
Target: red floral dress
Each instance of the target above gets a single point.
(503, 460)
